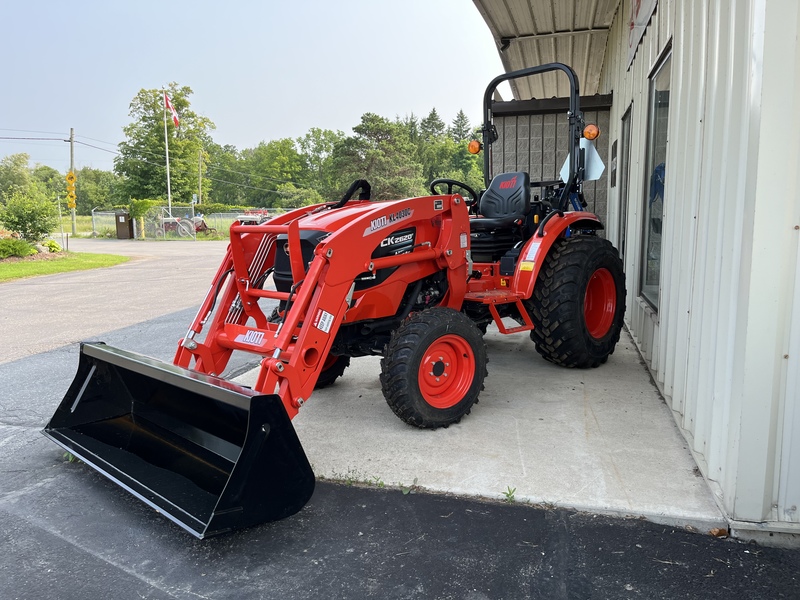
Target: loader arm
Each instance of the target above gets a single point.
(296, 347)
(251, 255)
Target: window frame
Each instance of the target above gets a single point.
(655, 155)
(624, 169)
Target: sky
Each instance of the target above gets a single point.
(260, 70)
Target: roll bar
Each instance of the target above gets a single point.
(576, 124)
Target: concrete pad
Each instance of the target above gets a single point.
(599, 440)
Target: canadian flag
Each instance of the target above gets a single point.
(171, 108)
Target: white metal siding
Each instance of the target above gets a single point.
(729, 309)
(789, 477)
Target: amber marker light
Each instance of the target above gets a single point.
(474, 147)
(591, 131)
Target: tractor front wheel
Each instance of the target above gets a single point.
(332, 369)
(578, 302)
(433, 368)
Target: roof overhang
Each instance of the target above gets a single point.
(535, 32)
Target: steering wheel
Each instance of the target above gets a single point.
(471, 197)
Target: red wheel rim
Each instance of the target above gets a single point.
(329, 362)
(446, 371)
(600, 303)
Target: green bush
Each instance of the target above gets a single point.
(52, 245)
(11, 247)
(32, 216)
(139, 208)
(208, 208)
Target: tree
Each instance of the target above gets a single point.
(460, 130)
(269, 165)
(431, 127)
(380, 152)
(49, 181)
(141, 162)
(443, 153)
(15, 175)
(225, 168)
(411, 124)
(290, 196)
(95, 188)
(29, 213)
(316, 150)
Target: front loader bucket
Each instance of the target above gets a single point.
(210, 455)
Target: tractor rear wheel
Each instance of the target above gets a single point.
(578, 302)
(433, 368)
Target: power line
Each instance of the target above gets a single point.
(97, 147)
(147, 162)
(209, 166)
(117, 153)
(45, 139)
(96, 140)
(32, 131)
(158, 155)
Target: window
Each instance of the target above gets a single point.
(655, 171)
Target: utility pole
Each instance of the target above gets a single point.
(72, 170)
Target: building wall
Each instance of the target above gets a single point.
(539, 145)
(724, 345)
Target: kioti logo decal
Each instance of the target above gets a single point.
(508, 183)
(382, 222)
(251, 337)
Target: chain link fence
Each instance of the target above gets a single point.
(181, 223)
(104, 224)
(184, 224)
(160, 223)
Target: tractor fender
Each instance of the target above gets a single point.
(535, 249)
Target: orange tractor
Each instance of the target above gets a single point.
(416, 281)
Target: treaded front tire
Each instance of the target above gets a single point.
(332, 369)
(433, 368)
(578, 302)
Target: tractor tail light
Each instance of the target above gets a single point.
(591, 131)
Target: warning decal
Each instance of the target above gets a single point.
(532, 250)
(323, 321)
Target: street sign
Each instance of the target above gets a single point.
(70, 177)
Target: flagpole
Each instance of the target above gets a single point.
(166, 146)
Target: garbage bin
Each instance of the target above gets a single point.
(124, 225)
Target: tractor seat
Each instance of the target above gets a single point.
(506, 202)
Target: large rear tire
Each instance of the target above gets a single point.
(578, 302)
(433, 368)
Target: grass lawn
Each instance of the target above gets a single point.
(60, 262)
(83, 226)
